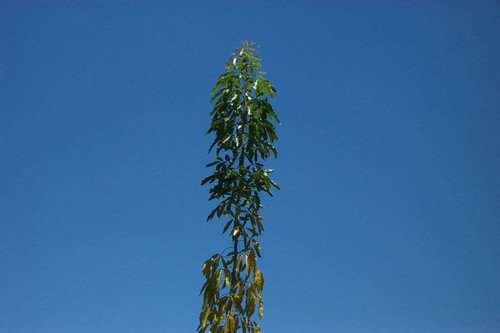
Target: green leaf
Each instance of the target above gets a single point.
(247, 265)
(229, 326)
(246, 54)
(211, 164)
(203, 287)
(205, 269)
(227, 226)
(237, 303)
(261, 308)
(274, 184)
(203, 182)
(204, 316)
(259, 280)
(211, 215)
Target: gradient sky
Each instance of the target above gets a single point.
(388, 218)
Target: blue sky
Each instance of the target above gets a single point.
(388, 218)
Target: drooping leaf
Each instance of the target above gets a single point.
(204, 316)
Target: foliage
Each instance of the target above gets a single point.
(242, 121)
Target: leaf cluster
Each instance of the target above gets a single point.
(228, 312)
(243, 124)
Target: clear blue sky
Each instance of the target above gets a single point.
(389, 163)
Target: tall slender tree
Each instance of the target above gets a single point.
(243, 124)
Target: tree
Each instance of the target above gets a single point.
(242, 121)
